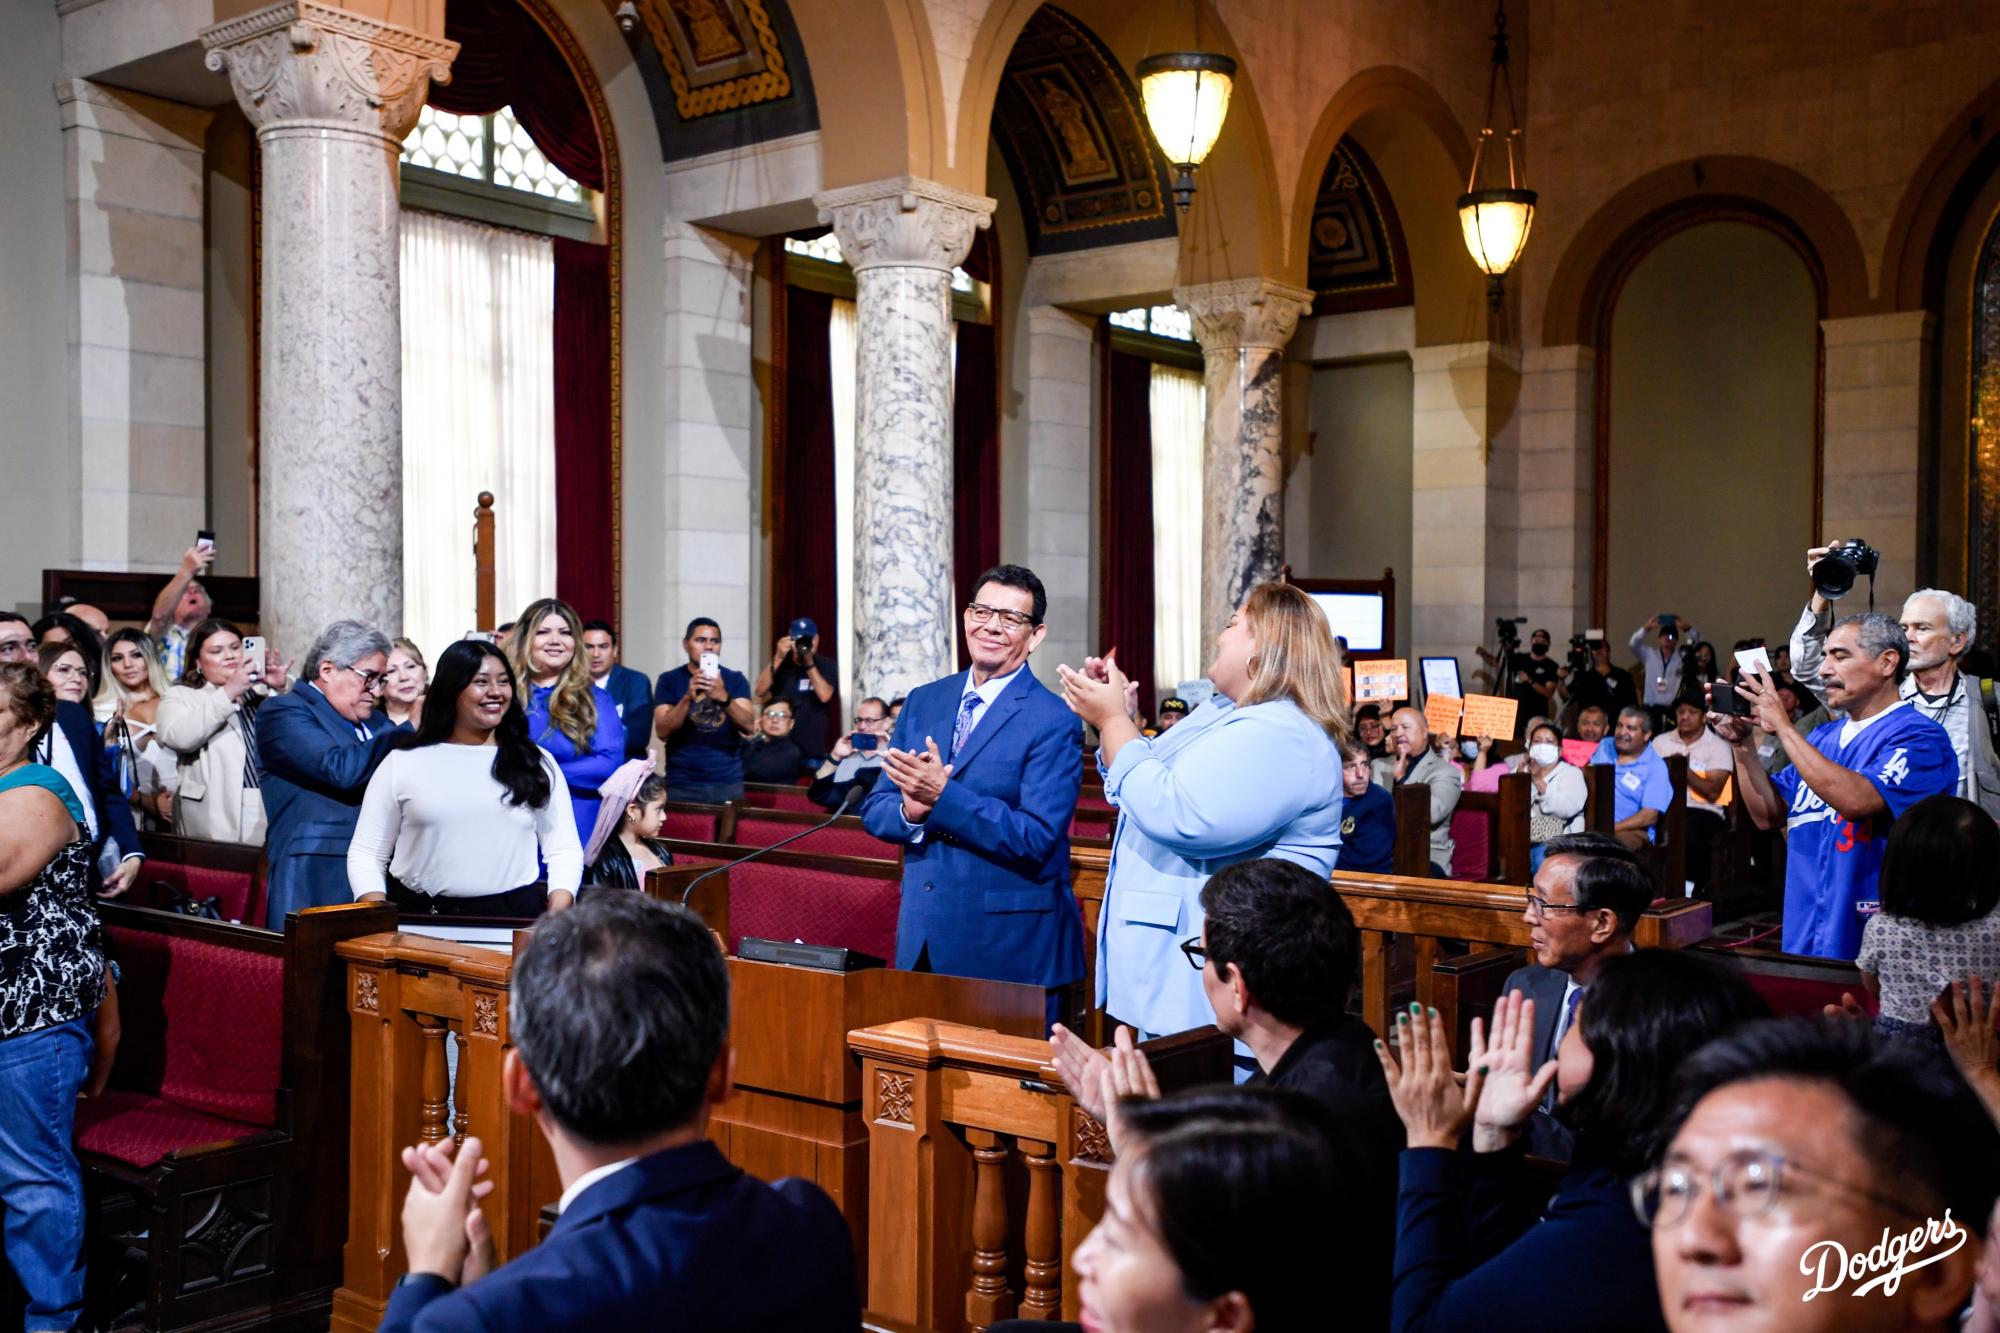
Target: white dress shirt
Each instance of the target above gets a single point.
(589, 1178)
(988, 694)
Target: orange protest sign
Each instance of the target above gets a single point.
(1381, 682)
(1489, 715)
(1442, 712)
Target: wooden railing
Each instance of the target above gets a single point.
(947, 1109)
(482, 563)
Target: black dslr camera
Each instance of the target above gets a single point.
(1579, 653)
(1834, 574)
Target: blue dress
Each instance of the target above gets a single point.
(585, 769)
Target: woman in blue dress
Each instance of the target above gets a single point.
(1253, 772)
(572, 719)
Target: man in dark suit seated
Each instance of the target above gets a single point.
(620, 1022)
(1586, 902)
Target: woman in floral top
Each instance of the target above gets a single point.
(1937, 923)
(51, 983)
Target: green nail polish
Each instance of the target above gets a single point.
(1378, 1043)
(1402, 1018)
(1416, 1008)
(1434, 1013)
(1482, 1071)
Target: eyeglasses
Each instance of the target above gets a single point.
(979, 614)
(1747, 1183)
(371, 681)
(1197, 954)
(1539, 906)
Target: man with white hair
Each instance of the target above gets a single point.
(1940, 626)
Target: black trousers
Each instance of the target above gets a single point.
(527, 901)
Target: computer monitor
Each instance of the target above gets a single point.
(1355, 616)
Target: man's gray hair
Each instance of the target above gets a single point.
(343, 643)
(1877, 632)
(1959, 615)
(1645, 718)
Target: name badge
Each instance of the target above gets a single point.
(805, 685)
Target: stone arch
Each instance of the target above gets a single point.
(880, 93)
(1933, 208)
(1630, 221)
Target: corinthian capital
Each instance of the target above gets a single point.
(300, 61)
(904, 223)
(1247, 312)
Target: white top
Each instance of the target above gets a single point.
(589, 1178)
(452, 832)
(1850, 728)
(1913, 962)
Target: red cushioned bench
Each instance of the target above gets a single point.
(197, 868)
(203, 1157)
(846, 901)
(696, 821)
(777, 796)
(845, 837)
(1793, 984)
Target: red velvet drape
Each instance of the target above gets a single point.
(505, 58)
(584, 510)
(975, 457)
(803, 581)
(1127, 588)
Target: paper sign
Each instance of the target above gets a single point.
(1579, 752)
(1489, 715)
(1442, 711)
(1381, 682)
(1754, 661)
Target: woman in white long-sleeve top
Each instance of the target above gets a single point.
(1253, 772)
(459, 812)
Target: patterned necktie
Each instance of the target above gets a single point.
(249, 730)
(967, 708)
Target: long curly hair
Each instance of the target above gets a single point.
(572, 710)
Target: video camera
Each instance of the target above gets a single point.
(1834, 573)
(1579, 653)
(1510, 638)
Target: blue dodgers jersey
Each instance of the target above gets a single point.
(1834, 865)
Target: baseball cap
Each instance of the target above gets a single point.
(804, 628)
(1173, 703)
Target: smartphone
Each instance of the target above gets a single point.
(204, 541)
(484, 635)
(1668, 620)
(863, 740)
(1723, 699)
(711, 664)
(254, 648)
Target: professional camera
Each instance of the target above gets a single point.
(1834, 574)
(1579, 653)
(1510, 638)
(802, 652)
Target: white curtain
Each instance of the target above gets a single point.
(478, 415)
(843, 337)
(1179, 407)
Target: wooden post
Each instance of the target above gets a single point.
(1510, 829)
(987, 1300)
(1600, 807)
(1042, 1274)
(434, 1112)
(482, 562)
(1413, 830)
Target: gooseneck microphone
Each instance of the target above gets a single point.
(847, 802)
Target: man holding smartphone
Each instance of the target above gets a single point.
(701, 711)
(181, 605)
(856, 758)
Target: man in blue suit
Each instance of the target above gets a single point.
(620, 1023)
(317, 745)
(631, 690)
(980, 782)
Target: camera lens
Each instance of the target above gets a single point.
(1834, 575)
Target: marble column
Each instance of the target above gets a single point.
(1243, 327)
(331, 94)
(902, 237)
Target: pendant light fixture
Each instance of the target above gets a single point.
(1186, 96)
(1496, 221)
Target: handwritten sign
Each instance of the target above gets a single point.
(1381, 682)
(1489, 715)
(1442, 712)
(1579, 752)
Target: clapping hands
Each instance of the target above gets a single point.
(1514, 1086)
(1099, 1080)
(1434, 1108)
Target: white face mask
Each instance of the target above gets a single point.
(1543, 753)
(1470, 749)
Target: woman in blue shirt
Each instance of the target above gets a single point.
(1253, 772)
(571, 718)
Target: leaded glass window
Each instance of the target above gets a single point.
(493, 149)
(1161, 321)
(826, 249)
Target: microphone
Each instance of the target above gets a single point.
(847, 802)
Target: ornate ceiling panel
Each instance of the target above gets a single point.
(722, 73)
(1355, 258)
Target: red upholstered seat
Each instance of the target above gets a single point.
(203, 1025)
(1791, 996)
(689, 826)
(1096, 803)
(793, 798)
(836, 841)
(139, 1130)
(1472, 844)
(240, 894)
(816, 906)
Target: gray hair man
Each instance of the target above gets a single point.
(316, 747)
(1940, 627)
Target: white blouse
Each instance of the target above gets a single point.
(441, 822)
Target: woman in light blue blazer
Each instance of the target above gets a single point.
(1253, 772)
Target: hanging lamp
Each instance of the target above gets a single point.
(1496, 220)
(1186, 97)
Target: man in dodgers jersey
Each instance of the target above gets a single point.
(1848, 782)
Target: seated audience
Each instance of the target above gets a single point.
(1417, 761)
(849, 765)
(1643, 787)
(1559, 790)
(318, 744)
(626, 843)
(404, 683)
(1367, 816)
(1173, 708)
(1593, 723)
(1709, 770)
(61, 628)
(568, 716)
(1373, 734)
(620, 1025)
(805, 678)
(62, 662)
(128, 706)
(772, 755)
(464, 810)
(1937, 922)
(1798, 1147)
(208, 720)
(1478, 1238)
(1586, 901)
(699, 713)
(52, 978)
(181, 605)
(631, 692)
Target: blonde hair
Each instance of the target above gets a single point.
(415, 653)
(572, 710)
(111, 692)
(1297, 658)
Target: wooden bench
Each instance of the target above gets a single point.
(195, 868)
(212, 1161)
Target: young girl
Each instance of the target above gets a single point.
(1937, 922)
(626, 844)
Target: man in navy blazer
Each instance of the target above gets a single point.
(317, 745)
(979, 783)
(620, 1022)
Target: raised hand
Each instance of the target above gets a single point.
(1514, 1086)
(1967, 1014)
(1082, 1068)
(1433, 1106)
(1127, 1074)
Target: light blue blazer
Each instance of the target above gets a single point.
(1226, 784)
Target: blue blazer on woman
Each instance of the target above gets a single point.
(1226, 784)
(581, 769)
(986, 875)
(314, 766)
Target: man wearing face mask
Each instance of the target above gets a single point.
(1535, 678)
(1417, 762)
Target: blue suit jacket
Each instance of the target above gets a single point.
(986, 886)
(678, 1240)
(314, 771)
(106, 795)
(632, 691)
